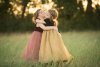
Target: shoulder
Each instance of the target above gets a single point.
(55, 22)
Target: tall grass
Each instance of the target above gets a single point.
(84, 46)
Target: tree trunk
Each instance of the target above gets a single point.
(24, 3)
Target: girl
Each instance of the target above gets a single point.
(52, 47)
(32, 49)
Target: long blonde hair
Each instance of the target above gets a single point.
(35, 16)
(54, 16)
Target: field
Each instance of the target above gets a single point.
(84, 46)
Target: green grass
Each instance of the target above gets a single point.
(84, 46)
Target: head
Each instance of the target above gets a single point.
(47, 14)
(39, 14)
(54, 16)
(53, 13)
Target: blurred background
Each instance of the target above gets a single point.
(79, 25)
(16, 15)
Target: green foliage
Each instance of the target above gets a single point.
(72, 17)
(12, 24)
(80, 22)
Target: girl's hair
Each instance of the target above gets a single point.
(36, 14)
(54, 16)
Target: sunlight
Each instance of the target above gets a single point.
(78, 1)
(1, 1)
(84, 3)
(17, 9)
(62, 7)
(94, 3)
(99, 2)
(32, 10)
(32, 6)
(48, 6)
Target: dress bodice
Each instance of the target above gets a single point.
(38, 29)
(49, 22)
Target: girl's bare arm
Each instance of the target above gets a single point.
(47, 27)
(40, 21)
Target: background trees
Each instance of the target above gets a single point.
(16, 15)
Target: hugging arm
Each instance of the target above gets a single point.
(40, 23)
(46, 27)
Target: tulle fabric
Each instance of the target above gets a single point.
(31, 51)
(52, 48)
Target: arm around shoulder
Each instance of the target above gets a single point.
(46, 27)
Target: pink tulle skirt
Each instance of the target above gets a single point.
(32, 49)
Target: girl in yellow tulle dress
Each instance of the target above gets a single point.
(52, 47)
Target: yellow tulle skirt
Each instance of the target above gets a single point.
(52, 48)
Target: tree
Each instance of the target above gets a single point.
(4, 7)
(24, 3)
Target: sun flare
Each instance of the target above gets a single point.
(85, 3)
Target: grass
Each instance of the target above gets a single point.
(84, 46)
